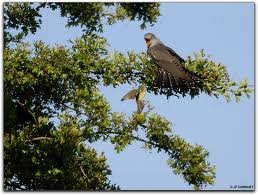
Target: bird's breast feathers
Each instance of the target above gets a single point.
(141, 95)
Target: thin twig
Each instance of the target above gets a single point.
(25, 108)
(142, 140)
(40, 138)
(82, 170)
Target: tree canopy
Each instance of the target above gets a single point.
(53, 105)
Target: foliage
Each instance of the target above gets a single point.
(137, 68)
(90, 15)
(58, 162)
(185, 159)
(21, 17)
(60, 78)
(39, 86)
(26, 17)
(216, 78)
(53, 105)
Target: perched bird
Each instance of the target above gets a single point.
(138, 95)
(171, 73)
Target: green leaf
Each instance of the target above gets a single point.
(34, 160)
(38, 174)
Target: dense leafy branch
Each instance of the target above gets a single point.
(20, 17)
(53, 105)
(55, 162)
(37, 154)
(62, 78)
(26, 18)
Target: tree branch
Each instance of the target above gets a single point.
(156, 145)
(82, 170)
(40, 138)
(26, 109)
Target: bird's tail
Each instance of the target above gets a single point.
(183, 83)
(140, 106)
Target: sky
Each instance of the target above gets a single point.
(226, 130)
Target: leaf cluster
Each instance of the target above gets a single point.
(50, 81)
(58, 160)
(22, 17)
(215, 78)
(189, 161)
(53, 105)
(91, 16)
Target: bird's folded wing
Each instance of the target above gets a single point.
(130, 95)
(164, 59)
(175, 54)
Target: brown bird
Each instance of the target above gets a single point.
(171, 73)
(138, 95)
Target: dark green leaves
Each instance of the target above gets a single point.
(90, 16)
(216, 80)
(61, 162)
(146, 12)
(66, 80)
(23, 17)
(214, 77)
(53, 105)
(189, 161)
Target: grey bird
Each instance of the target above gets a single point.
(138, 95)
(171, 73)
